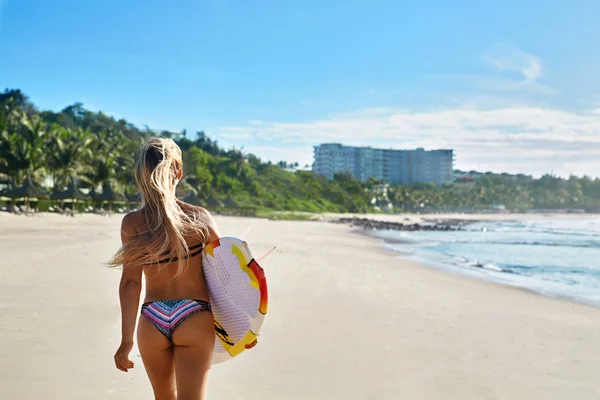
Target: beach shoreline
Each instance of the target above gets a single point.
(463, 218)
(348, 319)
(415, 248)
(446, 269)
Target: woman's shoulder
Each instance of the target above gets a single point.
(132, 218)
(192, 209)
(131, 221)
(205, 217)
(129, 225)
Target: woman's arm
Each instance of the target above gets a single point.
(130, 289)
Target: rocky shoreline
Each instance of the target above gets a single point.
(366, 223)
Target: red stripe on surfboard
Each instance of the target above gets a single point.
(262, 285)
(251, 345)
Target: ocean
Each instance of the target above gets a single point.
(557, 258)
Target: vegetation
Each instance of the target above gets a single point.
(512, 192)
(287, 215)
(95, 151)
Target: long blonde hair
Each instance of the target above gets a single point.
(166, 224)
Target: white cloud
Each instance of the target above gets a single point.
(501, 84)
(497, 133)
(512, 59)
(512, 139)
(511, 70)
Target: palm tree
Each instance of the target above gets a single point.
(125, 158)
(239, 158)
(68, 155)
(4, 151)
(22, 148)
(103, 162)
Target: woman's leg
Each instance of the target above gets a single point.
(157, 354)
(194, 341)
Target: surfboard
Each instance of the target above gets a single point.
(237, 288)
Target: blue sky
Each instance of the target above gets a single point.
(510, 85)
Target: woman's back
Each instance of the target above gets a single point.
(164, 279)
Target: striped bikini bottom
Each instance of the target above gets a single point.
(166, 315)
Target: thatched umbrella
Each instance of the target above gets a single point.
(28, 190)
(2, 196)
(72, 193)
(193, 198)
(134, 198)
(229, 202)
(214, 203)
(4, 179)
(110, 196)
(95, 195)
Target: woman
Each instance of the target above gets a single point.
(163, 241)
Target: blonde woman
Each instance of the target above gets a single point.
(163, 241)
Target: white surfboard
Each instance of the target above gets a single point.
(237, 288)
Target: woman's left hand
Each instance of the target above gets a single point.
(122, 360)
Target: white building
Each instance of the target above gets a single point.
(396, 167)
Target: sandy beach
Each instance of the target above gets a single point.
(347, 320)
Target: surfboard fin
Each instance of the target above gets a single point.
(243, 235)
(259, 259)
